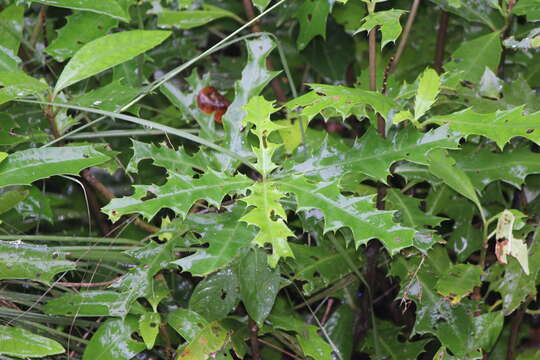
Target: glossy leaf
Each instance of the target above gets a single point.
(17, 84)
(225, 236)
(344, 100)
(459, 281)
(89, 303)
(110, 97)
(81, 28)
(113, 341)
(409, 213)
(259, 284)
(338, 326)
(21, 343)
(373, 156)
(483, 167)
(149, 328)
(428, 89)
(10, 198)
(178, 194)
(255, 77)
(217, 295)
(188, 19)
(110, 8)
(101, 54)
(24, 167)
(19, 260)
(442, 166)
(261, 4)
(312, 15)
(388, 20)
(500, 126)
(206, 343)
(472, 57)
(11, 23)
(187, 323)
(357, 213)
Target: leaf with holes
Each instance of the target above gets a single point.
(312, 15)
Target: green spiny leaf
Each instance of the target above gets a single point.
(389, 22)
(428, 89)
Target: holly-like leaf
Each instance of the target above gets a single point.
(225, 236)
(113, 341)
(188, 19)
(483, 166)
(259, 284)
(357, 213)
(81, 28)
(472, 57)
(22, 343)
(25, 166)
(102, 54)
(388, 21)
(19, 260)
(428, 89)
(500, 126)
(269, 216)
(312, 15)
(110, 8)
(371, 155)
(343, 100)
(178, 194)
(149, 328)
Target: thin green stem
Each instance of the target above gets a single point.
(119, 133)
(53, 238)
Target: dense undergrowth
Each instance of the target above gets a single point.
(293, 179)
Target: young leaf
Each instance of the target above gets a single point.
(110, 7)
(507, 244)
(22, 343)
(428, 89)
(104, 53)
(122, 348)
(269, 216)
(81, 28)
(19, 260)
(500, 126)
(188, 19)
(389, 22)
(312, 15)
(357, 213)
(24, 167)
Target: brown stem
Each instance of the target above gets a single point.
(385, 75)
(441, 41)
(373, 59)
(167, 339)
(328, 310)
(405, 36)
(107, 194)
(256, 28)
(514, 330)
(283, 351)
(253, 330)
(42, 16)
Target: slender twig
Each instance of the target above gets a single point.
(88, 285)
(95, 208)
(328, 310)
(253, 330)
(514, 330)
(441, 41)
(405, 36)
(39, 25)
(385, 75)
(373, 59)
(283, 351)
